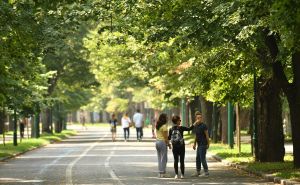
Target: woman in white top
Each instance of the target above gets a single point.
(126, 122)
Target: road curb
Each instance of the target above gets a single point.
(269, 177)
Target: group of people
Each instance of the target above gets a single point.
(137, 122)
(173, 138)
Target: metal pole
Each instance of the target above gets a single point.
(230, 124)
(15, 128)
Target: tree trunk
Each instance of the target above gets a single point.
(2, 120)
(224, 124)
(245, 119)
(207, 109)
(10, 123)
(293, 95)
(292, 90)
(47, 124)
(216, 121)
(2, 123)
(74, 117)
(58, 125)
(269, 123)
(32, 127)
(92, 117)
(195, 105)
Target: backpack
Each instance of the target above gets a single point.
(176, 138)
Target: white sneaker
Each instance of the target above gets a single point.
(196, 174)
(176, 177)
(204, 175)
(182, 176)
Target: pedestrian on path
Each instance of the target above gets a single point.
(138, 120)
(162, 143)
(202, 143)
(22, 127)
(113, 127)
(82, 120)
(126, 123)
(178, 144)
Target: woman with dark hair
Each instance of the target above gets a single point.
(178, 145)
(113, 127)
(161, 144)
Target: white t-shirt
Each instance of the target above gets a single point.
(125, 122)
(138, 119)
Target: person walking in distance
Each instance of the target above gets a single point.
(138, 120)
(202, 143)
(126, 122)
(82, 120)
(162, 143)
(178, 145)
(113, 127)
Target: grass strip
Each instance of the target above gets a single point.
(283, 170)
(10, 150)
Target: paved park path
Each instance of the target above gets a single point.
(91, 158)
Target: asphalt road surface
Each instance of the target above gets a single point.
(92, 158)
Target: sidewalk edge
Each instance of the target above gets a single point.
(268, 177)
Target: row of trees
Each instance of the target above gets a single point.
(53, 52)
(216, 49)
(42, 65)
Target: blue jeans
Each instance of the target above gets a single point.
(162, 155)
(139, 132)
(201, 158)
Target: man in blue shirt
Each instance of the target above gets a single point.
(202, 143)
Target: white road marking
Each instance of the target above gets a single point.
(51, 164)
(69, 180)
(109, 169)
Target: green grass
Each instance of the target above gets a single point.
(232, 155)
(244, 132)
(283, 170)
(27, 144)
(189, 138)
(10, 133)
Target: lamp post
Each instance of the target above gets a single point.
(230, 124)
(15, 128)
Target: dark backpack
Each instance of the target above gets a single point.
(176, 138)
